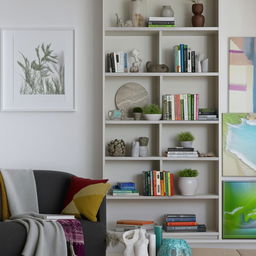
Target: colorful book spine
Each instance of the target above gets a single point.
(181, 223)
(182, 57)
(180, 219)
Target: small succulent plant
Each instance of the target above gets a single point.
(188, 173)
(185, 136)
(152, 109)
(137, 110)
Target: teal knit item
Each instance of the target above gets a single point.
(174, 247)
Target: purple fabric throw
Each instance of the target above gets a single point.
(74, 235)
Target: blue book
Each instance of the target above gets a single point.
(182, 58)
(176, 219)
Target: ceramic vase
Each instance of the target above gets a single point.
(135, 149)
(137, 16)
(137, 115)
(130, 238)
(167, 11)
(188, 185)
(198, 19)
(186, 144)
(141, 246)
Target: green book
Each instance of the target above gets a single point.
(189, 107)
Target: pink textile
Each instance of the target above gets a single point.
(74, 235)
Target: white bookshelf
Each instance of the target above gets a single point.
(156, 44)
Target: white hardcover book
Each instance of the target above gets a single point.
(121, 62)
(115, 62)
(173, 107)
(189, 61)
(161, 19)
(185, 107)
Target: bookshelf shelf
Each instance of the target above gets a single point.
(168, 74)
(155, 158)
(144, 122)
(205, 236)
(176, 197)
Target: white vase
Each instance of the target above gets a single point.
(186, 144)
(130, 238)
(143, 151)
(135, 149)
(152, 117)
(188, 185)
(141, 246)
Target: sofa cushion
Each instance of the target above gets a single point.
(76, 184)
(87, 201)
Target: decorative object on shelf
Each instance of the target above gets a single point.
(152, 112)
(158, 230)
(119, 21)
(143, 142)
(141, 246)
(34, 77)
(157, 68)
(210, 154)
(239, 158)
(198, 63)
(152, 245)
(137, 112)
(204, 64)
(128, 23)
(188, 182)
(167, 11)
(136, 55)
(242, 64)
(116, 114)
(198, 19)
(135, 149)
(186, 139)
(177, 247)
(116, 148)
(137, 8)
(131, 95)
(239, 209)
(129, 239)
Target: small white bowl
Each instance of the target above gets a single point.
(152, 117)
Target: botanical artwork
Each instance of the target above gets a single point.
(38, 69)
(242, 74)
(239, 211)
(239, 144)
(44, 74)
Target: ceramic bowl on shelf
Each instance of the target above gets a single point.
(152, 117)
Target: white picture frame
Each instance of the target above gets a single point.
(37, 66)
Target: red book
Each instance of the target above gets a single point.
(172, 184)
(181, 223)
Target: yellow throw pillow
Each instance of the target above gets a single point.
(87, 201)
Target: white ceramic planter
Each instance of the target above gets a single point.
(152, 117)
(186, 144)
(188, 185)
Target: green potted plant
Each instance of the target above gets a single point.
(186, 139)
(152, 112)
(188, 181)
(137, 113)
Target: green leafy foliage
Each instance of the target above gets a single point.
(185, 136)
(152, 109)
(195, 1)
(43, 75)
(137, 110)
(188, 173)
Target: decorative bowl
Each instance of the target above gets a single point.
(152, 117)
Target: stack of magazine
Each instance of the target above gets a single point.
(181, 152)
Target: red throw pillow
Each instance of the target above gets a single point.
(76, 184)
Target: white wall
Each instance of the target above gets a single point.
(50, 140)
(237, 18)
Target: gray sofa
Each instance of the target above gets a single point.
(51, 188)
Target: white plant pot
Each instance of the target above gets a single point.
(152, 117)
(188, 185)
(186, 144)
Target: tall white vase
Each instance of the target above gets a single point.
(141, 246)
(130, 238)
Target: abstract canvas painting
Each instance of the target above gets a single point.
(242, 74)
(239, 144)
(239, 211)
(38, 74)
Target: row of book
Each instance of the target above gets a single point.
(181, 152)
(158, 183)
(182, 223)
(207, 114)
(161, 22)
(125, 189)
(180, 106)
(117, 62)
(125, 225)
(184, 59)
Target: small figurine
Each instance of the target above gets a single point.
(119, 21)
(159, 68)
(136, 54)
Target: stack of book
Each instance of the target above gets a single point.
(182, 223)
(125, 189)
(158, 183)
(180, 106)
(181, 152)
(117, 62)
(207, 114)
(184, 59)
(124, 225)
(161, 22)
